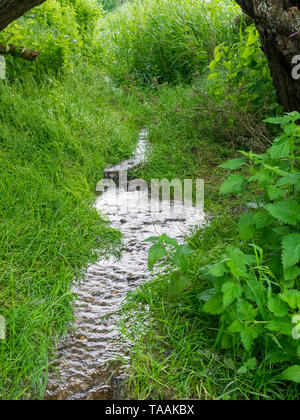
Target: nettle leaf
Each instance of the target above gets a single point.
(275, 193)
(291, 273)
(232, 291)
(291, 250)
(152, 239)
(234, 184)
(206, 295)
(278, 120)
(233, 164)
(280, 326)
(246, 311)
(180, 258)
(214, 305)
(279, 151)
(248, 336)
(292, 374)
(178, 284)
(156, 253)
(246, 226)
(218, 270)
(277, 306)
(287, 211)
(262, 177)
(291, 297)
(236, 263)
(262, 219)
(168, 240)
(291, 179)
(236, 327)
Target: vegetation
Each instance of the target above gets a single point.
(221, 320)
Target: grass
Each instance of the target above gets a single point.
(58, 133)
(166, 40)
(56, 137)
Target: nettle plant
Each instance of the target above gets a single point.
(256, 286)
(174, 255)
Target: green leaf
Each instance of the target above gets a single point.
(262, 219)
(232, 291)
(275, 193)
(291, 297)
(292, 374)
(245, 311)
(246, 226)
(248, 336)
(287, 211)
(237, 263)
(277, 306)
(251, 364)
(291, 179)
(236, 327)
(233, 164)
(218, 270)
(156, 253)
(214, 305)
(180, 257)
(234, 184)
(279, 151)
(178, 284)
(168, 240)
(152, 239)
(278, 120)
(291, 273)
(280, 326)
(291, 250)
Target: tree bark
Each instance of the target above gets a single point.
(11, 10)
(18, 51)
(278, 23)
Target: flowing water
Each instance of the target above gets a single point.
(86, 367)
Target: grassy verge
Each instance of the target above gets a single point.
(174, 354)
(56, 137)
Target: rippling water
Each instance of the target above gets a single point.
(86, 366)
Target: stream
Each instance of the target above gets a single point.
(86, 367)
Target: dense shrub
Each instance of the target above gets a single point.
(239, 73)
(60, 30)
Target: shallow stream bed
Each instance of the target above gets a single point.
(87, 367)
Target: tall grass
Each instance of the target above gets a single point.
(55, 140)
(167, 40)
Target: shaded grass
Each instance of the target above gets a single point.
(55, 140)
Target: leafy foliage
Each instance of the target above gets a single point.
(256, 285)
(259, 292)
(239, 73)
(62, 30)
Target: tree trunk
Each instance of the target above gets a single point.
(278, 23)
(11, 10)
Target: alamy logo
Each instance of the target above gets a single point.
(296, 68)
(2, 328)
(137, 195)
(2, 68)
